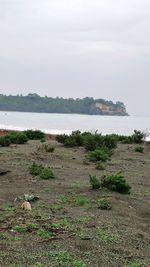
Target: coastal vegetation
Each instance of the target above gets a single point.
(85, 192)
(36, 103)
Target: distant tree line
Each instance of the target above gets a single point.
(36, 103)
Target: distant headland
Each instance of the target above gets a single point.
(36, 103)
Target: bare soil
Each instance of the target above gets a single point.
(66, 227)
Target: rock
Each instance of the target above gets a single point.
(26, 205)
(3, 172)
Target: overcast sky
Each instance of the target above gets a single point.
(77, 48)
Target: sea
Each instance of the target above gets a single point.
(66, 123)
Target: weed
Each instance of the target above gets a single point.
(106, 236)
(20, 229)
(44, 233)
(43, 172)
(139, 149)
(116, 182)
(66, 259)
(95, 183)
(100, 166)
(103, 204)
(81, 200)
(134, 263)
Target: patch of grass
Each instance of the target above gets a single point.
(134, 263)
(103, 204)
(139, 149)
(43, 172)
(95, 183)
(116, 182)
(66, 259)
(44, 233)
(100, 166)
(20, 229)
(7, 237)
(81, 200)
(106, 236)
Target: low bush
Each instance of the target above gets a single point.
(139, 149)
(100, 166)
(5, 141)
(99, 154)
(41, 171)
(94, 181)
(17, 138)
(116, 182)
(34, 134)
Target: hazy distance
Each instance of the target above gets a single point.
(77, 48)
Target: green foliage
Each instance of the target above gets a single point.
(81, 200)
(5, 141)
(116, 182)
(44, 233)
(99, 154)
(35, 103)
(103, 204)
(139, 149)
(46, 173)
(34, 134)
(43, 172)
(18, 138)
(134, 263)
(101, 166)
(94, 181)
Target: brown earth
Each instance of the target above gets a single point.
(65, 226)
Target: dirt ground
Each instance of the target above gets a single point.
(66, 227)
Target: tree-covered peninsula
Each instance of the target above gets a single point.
(36, 103)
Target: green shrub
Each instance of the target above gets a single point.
(43, 172)
(100, 166)
(99, 154)
(103, 204)
(138, 137)
(35, 169)
(139, 149)
(17, 138)
(34, 134)
(5, 141)
(95, 183)
(46, 173)
(116, 182)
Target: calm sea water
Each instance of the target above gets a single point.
(66, 123)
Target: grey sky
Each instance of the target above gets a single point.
(77, 48)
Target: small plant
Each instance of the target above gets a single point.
(134, 263)
(139, 149)
(99, 154)
(5, 141)
(43, 172)
(44, 233)
(95, 183)
(81, 200)
(106, 236)
(116, 182)
(47, 148)
(103, 204)
(35, 169)
(100, 166)
(46, 173)
(19, 229)
(34, 134)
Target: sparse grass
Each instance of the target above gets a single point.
(103, 204)
(44, 233)
(134, 263)
(100, 166)
(81, 200)
(20, 229)
(106, 236)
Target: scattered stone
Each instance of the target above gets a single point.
(26, 205)
(3, 172)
